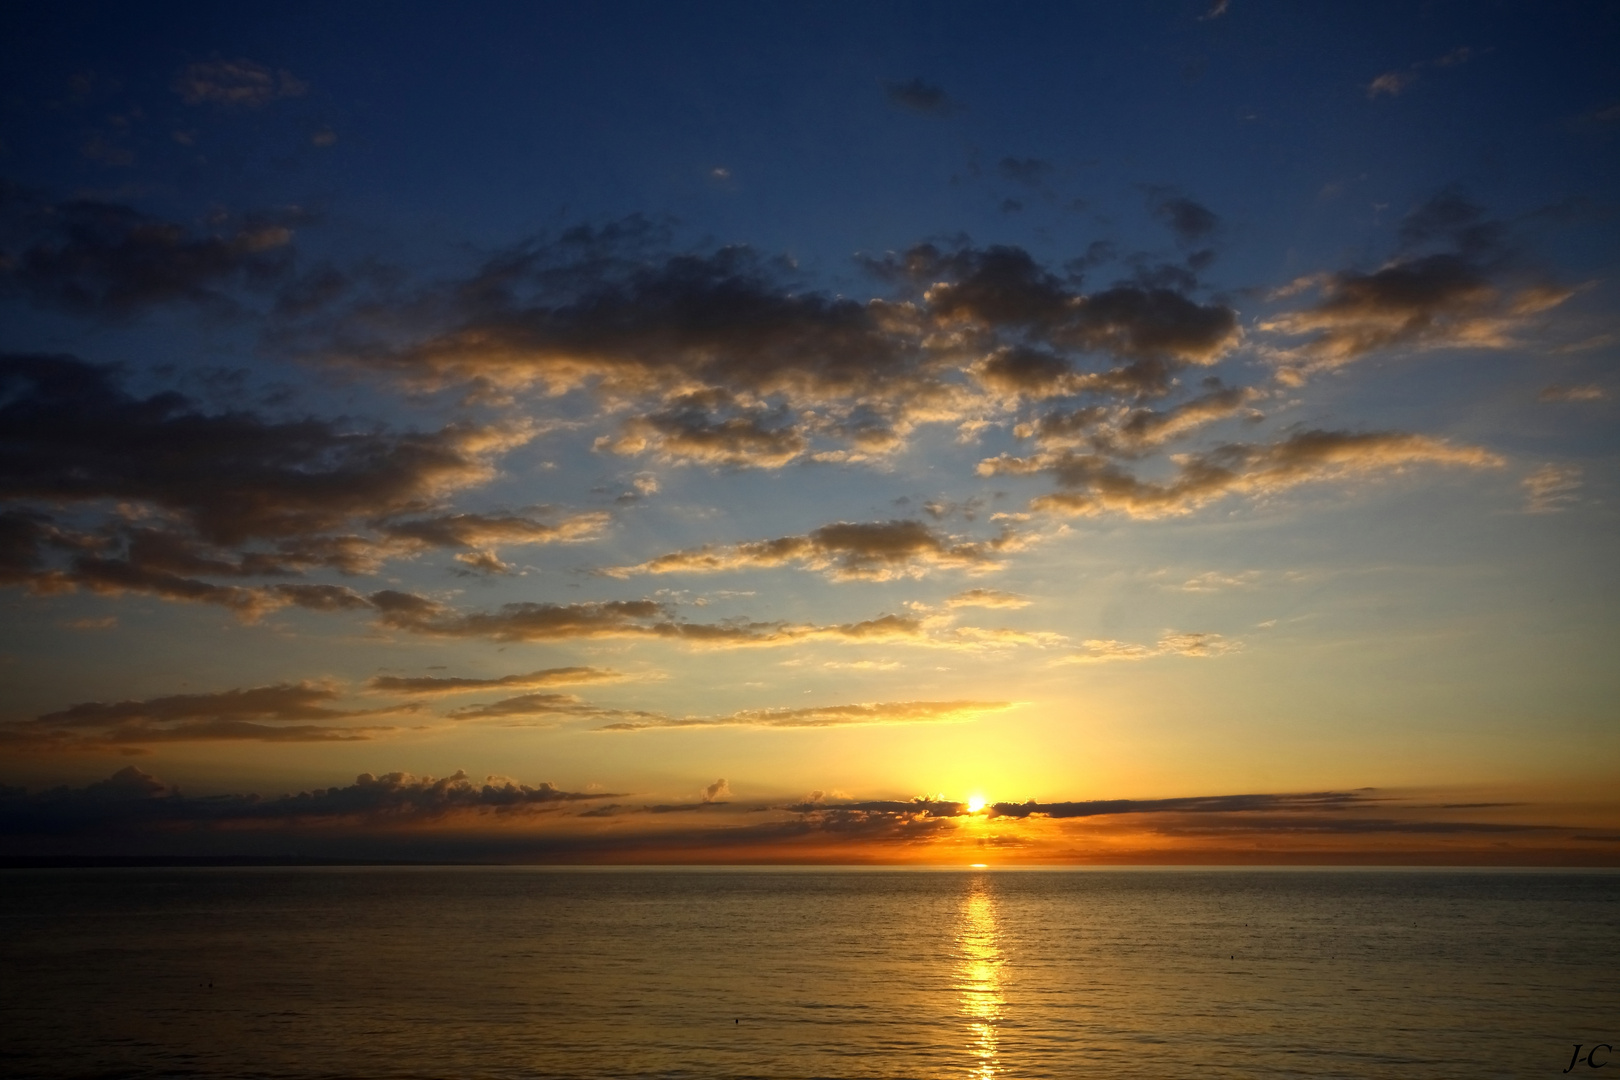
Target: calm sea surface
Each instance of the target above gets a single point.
(814, 973)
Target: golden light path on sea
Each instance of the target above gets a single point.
(978, 978)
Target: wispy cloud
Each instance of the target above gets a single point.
(1588, 392)
(987, 598)
(1551, 488)
(918, 96)
(1094, 484)
(236, 84)
(534, 680)
(1097, 651)
(844, 551)
(891, 712)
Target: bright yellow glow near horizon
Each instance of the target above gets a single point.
(975, 803)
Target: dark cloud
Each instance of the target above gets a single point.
(922, 806)
(563, 676)
(1215, 804)
(133, 800)
(553, 708)
(919, 96)
(70, 433)
(712, 428)
(725, 359)
(1093, 483)
(621, 619)
(844, 551)
(1447, 288)
(1190, 221)
(179, 492)
(284, 712)
(110, 261)
(1134, 432)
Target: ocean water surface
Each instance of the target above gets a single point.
(530, 972)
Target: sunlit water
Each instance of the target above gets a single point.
(981, 974)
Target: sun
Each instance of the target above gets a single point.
(975, 803)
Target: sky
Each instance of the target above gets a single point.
(911, 433)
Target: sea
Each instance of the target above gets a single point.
(471, 972)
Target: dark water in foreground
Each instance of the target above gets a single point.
(548, 973)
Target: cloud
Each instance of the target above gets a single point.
(486, 530)
(528, 705)
(882, 713)
(711, 428)
(987, 598)
(1216, 10)
(1422, 299)
(236, 84)
(111, 262)
(478, 535)
(1190, 221)
(1132, 432)
(1391, 84)
(1094, 484)
(131, 800)
(179, 495)
(724, 359)
(1215, 581)
(74, 435)
(844, 551)
(1099, 651)
(455, 818)
(617, 619)
(1208, 804)
(1589, 392)
(1551, 488)
(284, 712)
(435, 685)
(918, 96)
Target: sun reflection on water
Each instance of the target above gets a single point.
(978, 978)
